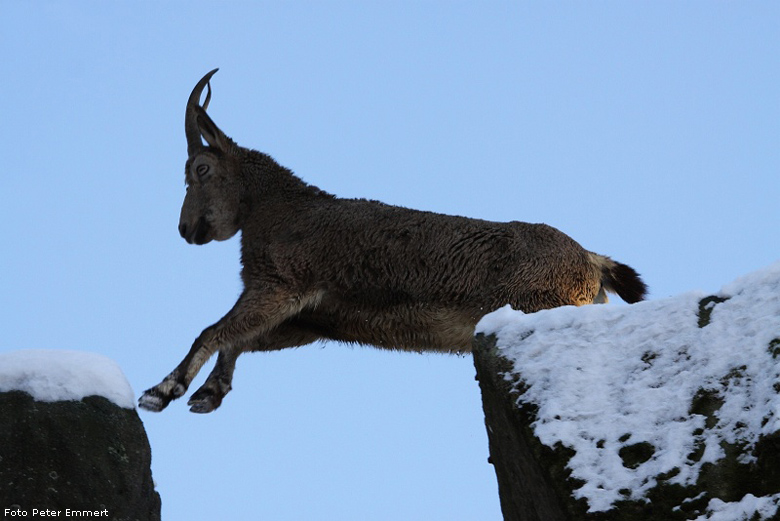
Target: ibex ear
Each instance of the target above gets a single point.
(211, 133)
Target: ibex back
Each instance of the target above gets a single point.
(316, 266)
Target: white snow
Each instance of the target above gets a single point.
(599, 373)
(52, 375)
(750, 505)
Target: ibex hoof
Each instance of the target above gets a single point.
(152, 401)
(204, 400)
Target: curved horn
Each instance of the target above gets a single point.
(191, 114)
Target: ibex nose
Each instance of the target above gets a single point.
(197, 233)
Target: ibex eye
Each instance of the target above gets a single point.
(202, 170)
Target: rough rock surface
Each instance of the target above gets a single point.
(88, 455)
(531, 481)
(668, 410)
(535, 484)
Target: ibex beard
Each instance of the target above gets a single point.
(319, 267)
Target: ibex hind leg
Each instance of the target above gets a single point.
(176, 383)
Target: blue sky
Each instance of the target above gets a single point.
(648, 131)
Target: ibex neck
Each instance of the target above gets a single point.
(268, 184)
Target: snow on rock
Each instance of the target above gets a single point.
(745, 509)
(604, 378)
(52, 375)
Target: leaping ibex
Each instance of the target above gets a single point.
(316, 266)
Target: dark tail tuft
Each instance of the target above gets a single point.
(625, 281)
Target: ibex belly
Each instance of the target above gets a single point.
(411, 327)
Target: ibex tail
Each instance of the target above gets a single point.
(619, 278)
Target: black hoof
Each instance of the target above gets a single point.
(204, 401)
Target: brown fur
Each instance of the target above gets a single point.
(319, 267)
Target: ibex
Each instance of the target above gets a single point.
(316, 266)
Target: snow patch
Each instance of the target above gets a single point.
(746, 508)
(52, 375)
(607, 377)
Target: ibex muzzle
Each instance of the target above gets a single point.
(316, 266)
(197, 234)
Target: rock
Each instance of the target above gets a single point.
(87, 455)
(530, 486)
(664, 410)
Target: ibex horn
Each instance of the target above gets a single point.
(191, 129)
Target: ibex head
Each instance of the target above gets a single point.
(211, 206)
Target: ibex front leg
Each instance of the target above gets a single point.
(176, 383)
(219, 382)
(252, 316)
